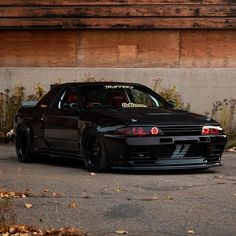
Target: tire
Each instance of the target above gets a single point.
(94, 155)
(23, 145)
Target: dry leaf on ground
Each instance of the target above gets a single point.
(170, 198)
(11, 194)
(121, 232)
(191, 232)
(150, 199)
(30, 230)
(73, 204)
(120, 190)
(28, 205)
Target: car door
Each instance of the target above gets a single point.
(61, 123)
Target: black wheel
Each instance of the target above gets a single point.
(94, 155)
(23, 145)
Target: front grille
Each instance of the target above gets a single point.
(180, 151)
(181, 130)
(142, 153)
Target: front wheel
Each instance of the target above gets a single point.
(23, 145)
(94, 154)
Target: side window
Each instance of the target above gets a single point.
(49, 97)
(68, 99)
(141, 97)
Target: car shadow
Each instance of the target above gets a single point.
(63, 161)
(165, 172)
(60, 161)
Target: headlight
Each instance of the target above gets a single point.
(138, 131)
(206, 130)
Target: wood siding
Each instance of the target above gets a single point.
(208, 49)
(118, 14)
(37, 48)
(118, 48)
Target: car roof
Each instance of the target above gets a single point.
(98, 83)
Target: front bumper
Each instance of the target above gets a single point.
(165, 152)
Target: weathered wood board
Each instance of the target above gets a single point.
(118, 14)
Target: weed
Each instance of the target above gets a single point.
(223, 112)
(170, 94)
(7, 215)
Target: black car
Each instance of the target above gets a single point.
(117, 125)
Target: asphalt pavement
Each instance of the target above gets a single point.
(153, 203)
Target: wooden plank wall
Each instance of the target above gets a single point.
(118, 48)
(118, 14)
(37, 48)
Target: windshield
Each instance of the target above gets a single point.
(120, 96)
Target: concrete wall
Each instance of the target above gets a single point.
(198, 86)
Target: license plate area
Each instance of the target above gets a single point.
(181, 151)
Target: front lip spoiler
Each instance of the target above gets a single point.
(163, 167)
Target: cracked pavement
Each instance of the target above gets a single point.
(142, 203)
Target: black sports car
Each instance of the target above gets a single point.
(117, 125)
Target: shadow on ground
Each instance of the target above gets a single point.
(62, 161)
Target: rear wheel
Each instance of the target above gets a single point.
(94, 154)
(23, 145)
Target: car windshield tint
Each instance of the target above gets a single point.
(119, 96)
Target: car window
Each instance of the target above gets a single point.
(119, 96)
(49, 97)
(67, 99)
(140, 97)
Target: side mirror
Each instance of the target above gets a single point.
(171, 104)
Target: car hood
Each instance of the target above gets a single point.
(153, 116)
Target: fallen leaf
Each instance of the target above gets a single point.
(149, 199)
(121, 232)
(46, 190)
(218, 176)
(119, 190)
(73, 204)
(12, 194)
(170, 198)
(24, 230)
(28, 205)
(7, 194)
(6, 234)
(11, 230)
(54, 194)
(191, 232)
